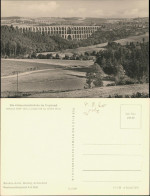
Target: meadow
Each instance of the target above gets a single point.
(49, 75)
(99, 92)
(54, 79)
(138, 38)
(59, 78)
(9, 66)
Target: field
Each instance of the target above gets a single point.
(99, 92)
(58, 78)
(138, 38)
(8, 66)
(54, 78)
(49, 75)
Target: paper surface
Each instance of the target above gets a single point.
(82, 147)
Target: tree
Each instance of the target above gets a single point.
(57, 56)
(98, 79)
(103, 62)
(119, 73)
(49, 56)
(66, 57)
(33, 55)
(89, 79)
(143, 39)
(94, 76)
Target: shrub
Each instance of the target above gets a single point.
(140, 95)
(109, 70)
(111, 84)
(127, 96)
(118, 96)
(109, 77)
(135, 95)
(127, 81)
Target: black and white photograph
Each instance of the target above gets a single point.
(74, 98)
(75, 49)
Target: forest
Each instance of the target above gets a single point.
(134, 58)
(14, 43)
(127, 64)
(130, 60)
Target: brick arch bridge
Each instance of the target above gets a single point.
(67, 32)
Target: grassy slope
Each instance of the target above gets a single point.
(138, 38)
(98, 92)
(99, 47)
(8, 66)
(95, 92)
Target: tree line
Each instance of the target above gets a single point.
(126, 64)
(134, 58)
(14, 43)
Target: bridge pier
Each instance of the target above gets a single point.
(66, 32)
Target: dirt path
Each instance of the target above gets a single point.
(54, 62)
(26, 73)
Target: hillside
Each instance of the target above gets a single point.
(98, 47)
(14, 43)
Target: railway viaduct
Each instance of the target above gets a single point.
(66, 32)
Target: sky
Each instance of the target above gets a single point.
(75, 8)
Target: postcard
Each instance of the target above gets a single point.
(74, 97)
(75, 49)
(91, 147)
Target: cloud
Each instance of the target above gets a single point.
(74, 8)
(29, 8)
(43, 7)
(135, 13)
(98, 12)
(131, 12)
(76, 12)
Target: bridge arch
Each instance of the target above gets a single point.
(68, 30)
(69, 37)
